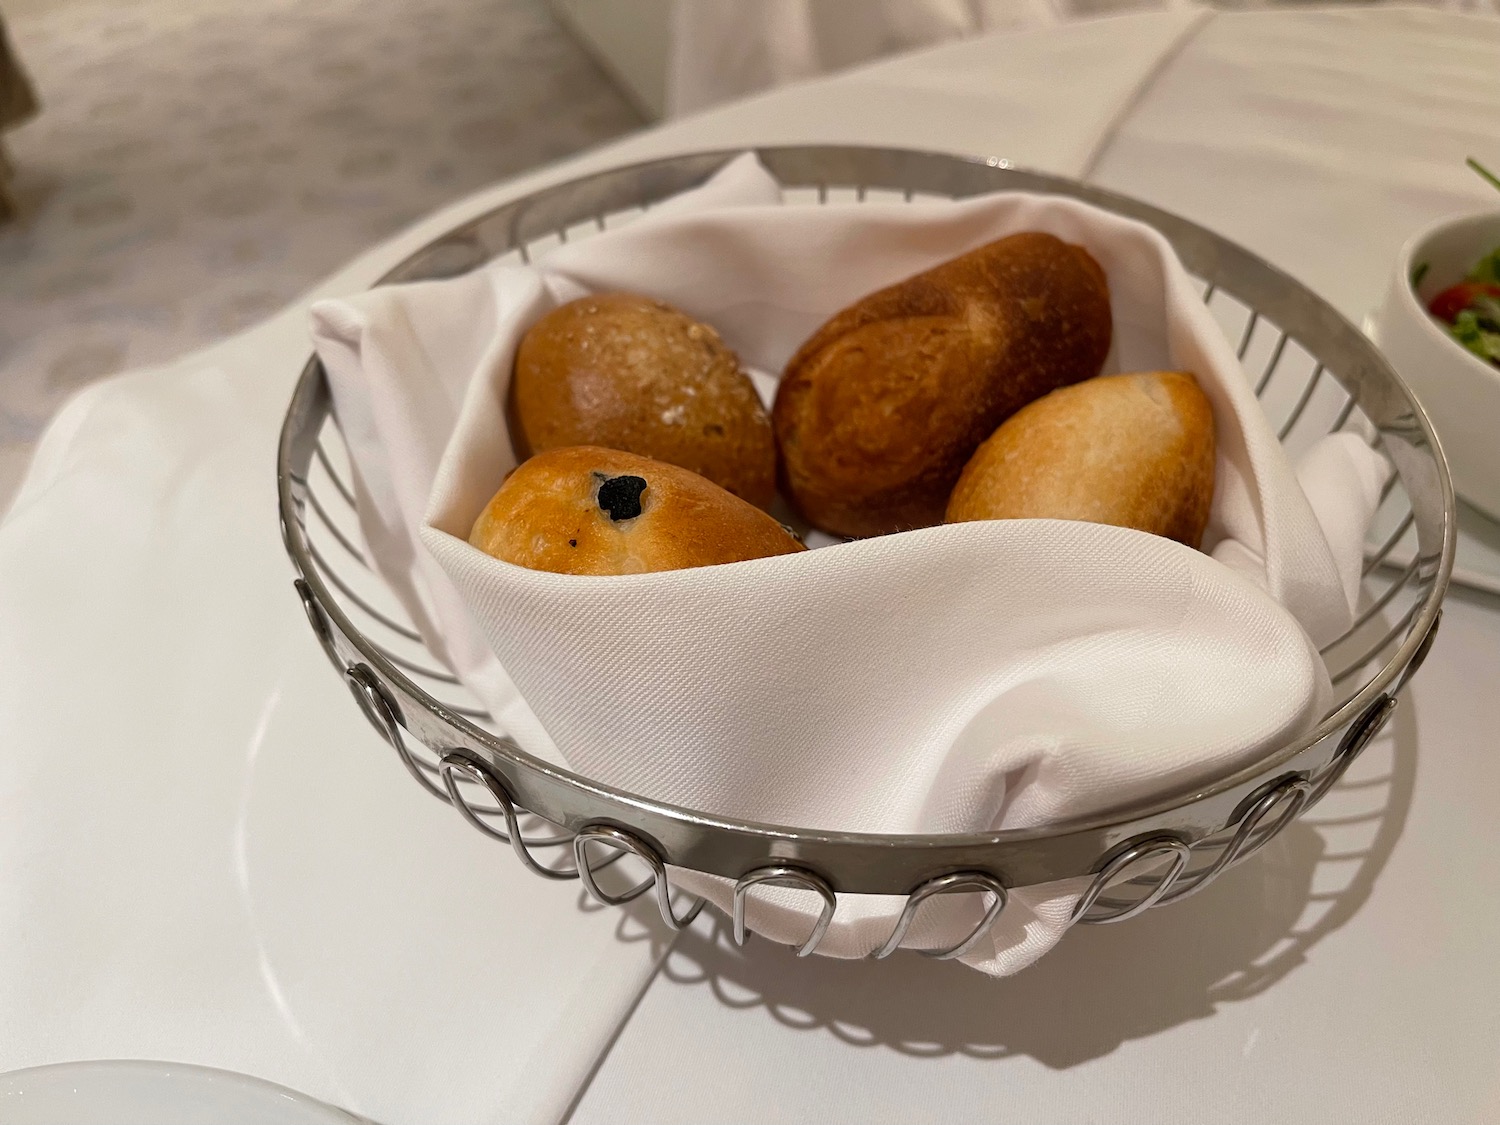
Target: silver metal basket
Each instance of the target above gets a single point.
(1314, 373)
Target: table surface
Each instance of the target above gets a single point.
(1344, 975)
(1348, 973)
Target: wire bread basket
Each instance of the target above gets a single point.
(1313, 372)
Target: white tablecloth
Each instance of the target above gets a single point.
(1344, 976)
(207, 855)
(717, 50)
(1348, 974)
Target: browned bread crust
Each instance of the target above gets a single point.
(1129, 450)
(589, 510)
(631, 373)
(878, 412)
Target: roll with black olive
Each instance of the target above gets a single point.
(588, 510)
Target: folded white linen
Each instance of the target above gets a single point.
(984, 675)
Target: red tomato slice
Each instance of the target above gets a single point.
(1453, 300)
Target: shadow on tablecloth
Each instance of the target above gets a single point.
(1104, 985)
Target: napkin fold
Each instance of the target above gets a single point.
(963, 678)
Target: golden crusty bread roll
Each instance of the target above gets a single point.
(590, 510)
(632, 373)
(878, 412)
(1129, 450)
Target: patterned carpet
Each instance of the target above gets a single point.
(199, 163)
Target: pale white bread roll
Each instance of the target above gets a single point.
(1129, 450)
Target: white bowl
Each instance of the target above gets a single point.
(1460, 391)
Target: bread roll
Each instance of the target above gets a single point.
(588, 510)
(1129, 450)
(631, 373)
(878, 412)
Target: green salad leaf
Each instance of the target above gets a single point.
(1484, 172)
(1473, 334)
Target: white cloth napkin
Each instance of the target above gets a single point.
(998, 674)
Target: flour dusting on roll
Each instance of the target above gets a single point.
(633, 373)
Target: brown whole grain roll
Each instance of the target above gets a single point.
(589, 510)
(878, 412)
(1129, 450)
(632, 373)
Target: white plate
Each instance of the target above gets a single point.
(121, 1092)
